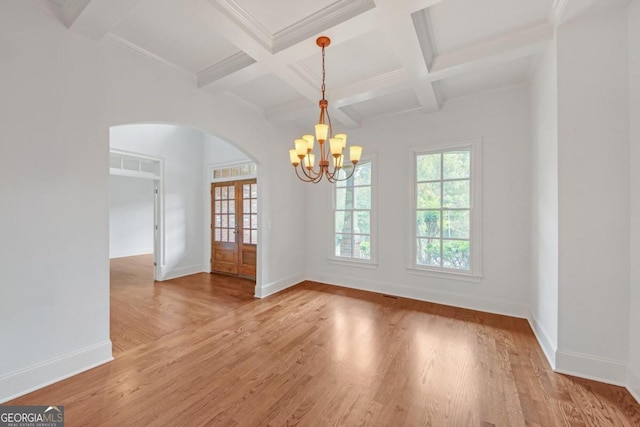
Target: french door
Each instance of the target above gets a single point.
(234, 227)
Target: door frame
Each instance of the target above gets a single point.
(158, 201)
(208, 215)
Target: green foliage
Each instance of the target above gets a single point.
(443, 209)
(353, 215)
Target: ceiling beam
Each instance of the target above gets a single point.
(507, 47)
(229, 81)
(281, 64)
(556, 17)
(225, 68)
(100, 16)
(371, 88)
(398, 22)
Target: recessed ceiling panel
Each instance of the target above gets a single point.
(501, 75)
(457, 24)
(355, 60)
(266, 91)
(165, 28)
(276, 15)
(404, 100)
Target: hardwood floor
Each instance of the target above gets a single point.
(202, 351)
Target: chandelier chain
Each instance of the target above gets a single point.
(323, 74)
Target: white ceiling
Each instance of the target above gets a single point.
(386, 56)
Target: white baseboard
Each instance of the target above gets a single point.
(446, 298)
(548, 348)
(591, 367)
(633, 383)
(130, 252)
(180, 272)
(35, 377)
(278, 285)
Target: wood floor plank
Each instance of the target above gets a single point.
(201, 350)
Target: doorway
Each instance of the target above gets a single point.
(135, 206)
(234, 227)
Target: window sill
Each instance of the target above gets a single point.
(449, 275)
(372, 265)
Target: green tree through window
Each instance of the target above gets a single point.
(443, 209)
(352, 221)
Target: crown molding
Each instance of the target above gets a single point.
(424, 31)
(507, 47)
(325, 18)
(399, 23)
(72, 10)
(66, 13)
(306, 73)
(141, 51)
(374, 87)
(235, 62)
(328, 17)
(557, 12)
(248, 22)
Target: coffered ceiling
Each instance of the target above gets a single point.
(386, 56)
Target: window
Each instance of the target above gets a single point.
(233, 171)
(444, 210)
(353, 217)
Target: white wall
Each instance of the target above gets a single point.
(634, 98)
(544, 237)
(593, 159)
(61, 94)
(130, 216)
(502, 119)
(217, 151)
(181, 150)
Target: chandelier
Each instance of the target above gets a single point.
(302, 155)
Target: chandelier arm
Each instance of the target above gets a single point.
(311, 174)
(306, 177)
(329, 122)
(353, 169)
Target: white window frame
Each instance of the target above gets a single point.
(230, 165)
(356, 262)
(475, 232)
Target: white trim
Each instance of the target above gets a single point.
(158, 203)
(542, 337)
(235, 62)
(353, 263)
(556, 16)
(328, 17)
(474, 144)
(26, 380)
(424, 30)
(278, 285)
(487, 305)
(174, 273)
(141, 51)
(581, 365)
(444, 274)
(133, 174)
(226, 165)
(633, 383)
